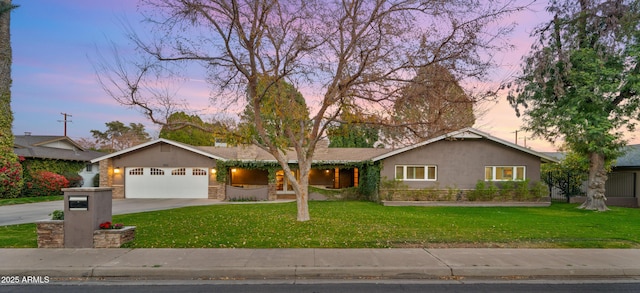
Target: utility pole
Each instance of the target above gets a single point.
(525, 141)
(65, 121)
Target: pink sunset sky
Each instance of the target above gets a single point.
(55, 42)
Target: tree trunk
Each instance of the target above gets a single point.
(596, 188)
(302, 192)
(300, 185)
(302, 200)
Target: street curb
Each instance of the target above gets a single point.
(542, 272)
(265, 273)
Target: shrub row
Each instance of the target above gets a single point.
(45, 183)
(10, 178)
(508, 190)
(484, 191)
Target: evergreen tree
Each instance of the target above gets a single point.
(10, 169)
(581, 82)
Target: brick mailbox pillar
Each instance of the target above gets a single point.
(84, 210)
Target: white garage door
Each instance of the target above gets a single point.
(166, 182)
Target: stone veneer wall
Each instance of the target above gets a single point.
(113, 238)
(50, 233)
(117, 192)
(272, 191)
(217, 190)
(106, 179)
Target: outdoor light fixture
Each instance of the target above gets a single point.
(233, 170)
(116, 170)
(213, 170)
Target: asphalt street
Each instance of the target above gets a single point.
(405, 286)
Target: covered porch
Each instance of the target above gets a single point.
(255, 184)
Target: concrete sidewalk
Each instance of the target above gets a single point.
(260, 264)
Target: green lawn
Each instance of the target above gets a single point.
(21, 200)
(365, 224)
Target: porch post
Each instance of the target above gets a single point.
(271, 184)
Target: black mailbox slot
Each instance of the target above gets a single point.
(79, 203)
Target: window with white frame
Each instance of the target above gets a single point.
(504, 173)
(416, 172)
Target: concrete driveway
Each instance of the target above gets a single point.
(32, 212)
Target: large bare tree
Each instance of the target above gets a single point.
(340, 54)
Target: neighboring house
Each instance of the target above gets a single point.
(168, 169)
(622, 188)
(62, 148)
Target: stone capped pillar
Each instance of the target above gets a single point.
(85, 209)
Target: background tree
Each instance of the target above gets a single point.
(88, 143)
(568, 175)
(188, 133)
(10, 169)
(357, 53)
(282, 111)
(581, 82)
(432, 105)
(119, 136)
(352, 131)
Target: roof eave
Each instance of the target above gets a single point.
(149, 143)
(65, 138)
(463, 132)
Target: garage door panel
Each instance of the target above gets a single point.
(166, 183)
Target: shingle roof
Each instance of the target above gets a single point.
(34, 146)
(323, 155)
(254, 153)
(630, 158)
(351, 154)
(558, 155)
(329, 155)
(191, 148)
(468, 133)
